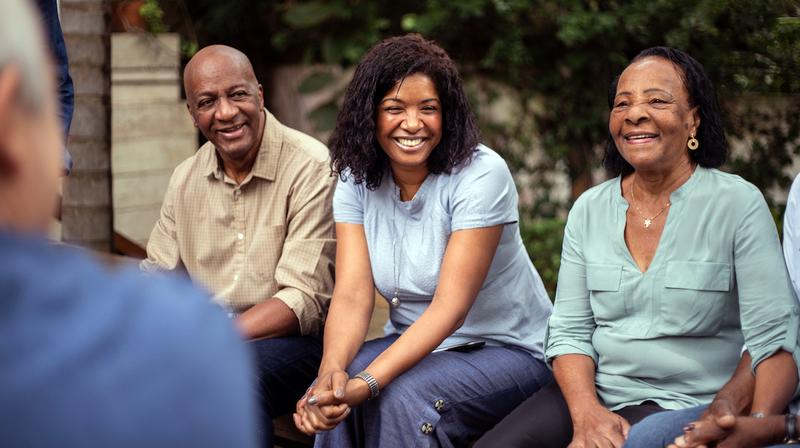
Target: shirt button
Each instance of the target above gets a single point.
(426, 428)
(438, 405)
(236, 278)
(395, 302)
(240, 236)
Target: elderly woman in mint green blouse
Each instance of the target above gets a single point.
(667, 271)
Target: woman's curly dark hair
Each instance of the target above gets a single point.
(713, 149)
(353, 145)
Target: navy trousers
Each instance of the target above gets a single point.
(286, 366)
(447, 400)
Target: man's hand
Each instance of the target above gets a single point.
(599, 427)
(714, 425)
(745, 432)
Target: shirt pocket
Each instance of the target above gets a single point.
(695, 295)
(605, 292)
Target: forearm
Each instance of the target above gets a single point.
(269, 319)
(738, 391)
(775, 383)
(575, 376)
(419, 340)
(345, 329)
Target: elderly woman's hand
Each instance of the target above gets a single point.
(599, 427)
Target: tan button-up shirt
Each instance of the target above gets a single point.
(270, 236)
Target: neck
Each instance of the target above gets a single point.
(409, 181)
(239, 169)
(651, 186)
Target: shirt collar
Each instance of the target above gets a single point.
(266, 163)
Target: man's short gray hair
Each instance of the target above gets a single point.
(21, 45)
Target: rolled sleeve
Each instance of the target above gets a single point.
(768, 310)
(305, 271)
(572, 324)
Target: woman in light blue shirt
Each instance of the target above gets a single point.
(666, 271)
(428, 216)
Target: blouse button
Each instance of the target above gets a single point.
(426, 428)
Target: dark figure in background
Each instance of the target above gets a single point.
(66, 92)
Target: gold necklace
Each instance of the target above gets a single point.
(647, 221)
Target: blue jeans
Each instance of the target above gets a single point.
(448, 399)
(286, 366)
(662, 428)
(66, 92)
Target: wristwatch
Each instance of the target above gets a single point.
(372, 383)
(791, 430)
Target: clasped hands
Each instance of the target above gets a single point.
(328, 401)
(719, 426)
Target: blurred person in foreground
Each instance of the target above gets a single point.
(89, 357)
(249, 218)
(667, 270)
(428, 216)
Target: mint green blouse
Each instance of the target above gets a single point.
(674, 333)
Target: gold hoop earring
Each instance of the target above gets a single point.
(693, 144)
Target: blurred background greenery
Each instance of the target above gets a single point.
(544, 68)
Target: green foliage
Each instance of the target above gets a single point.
(153, 16)
(543, 239)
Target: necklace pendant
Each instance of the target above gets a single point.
(395, 301)
(647, 223)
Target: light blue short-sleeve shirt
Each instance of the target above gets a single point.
(407, 241)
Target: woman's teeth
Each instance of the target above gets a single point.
(409, 142)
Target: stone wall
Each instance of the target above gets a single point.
(86, 206)
(151, 132)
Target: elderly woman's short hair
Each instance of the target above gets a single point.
(713, 149)
(353, 144)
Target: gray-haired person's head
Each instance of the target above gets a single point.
(22, 46)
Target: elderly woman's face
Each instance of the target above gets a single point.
(651, 120)
(409, 122)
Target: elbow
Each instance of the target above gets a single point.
(458, 323)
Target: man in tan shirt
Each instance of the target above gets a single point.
(249, 217)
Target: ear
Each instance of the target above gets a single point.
(261, 96)
(695, 120)
(189, 109)
(9, 87)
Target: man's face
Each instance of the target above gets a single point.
(226, 103)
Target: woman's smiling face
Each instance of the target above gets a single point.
(651, 119)
(409, 122)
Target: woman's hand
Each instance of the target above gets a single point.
(323, 410)
(598, 427)
(312, 416)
